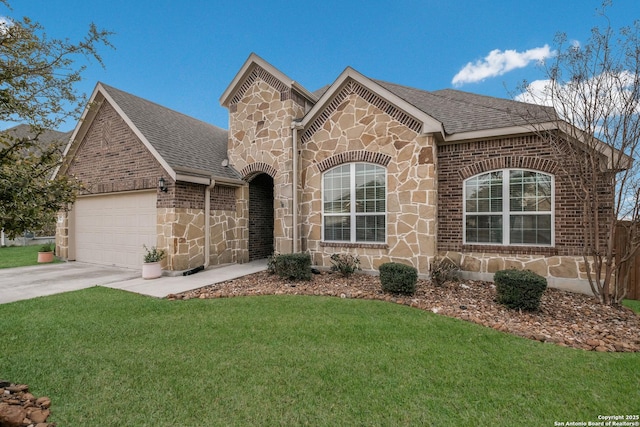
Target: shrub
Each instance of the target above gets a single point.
(154, 254)
(346, 264)
(292, 266)
(398, 278)
(443, 271)
(47, 247)
(271, 263)
(519, 289)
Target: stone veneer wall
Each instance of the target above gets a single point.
(260, 140)
(360, 127)
(562, 264)
(62, 235)
(181, 229)
(223, 225)
(181, 234)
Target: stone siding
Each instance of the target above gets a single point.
(356, 129)
(181, 234)
(260, 140)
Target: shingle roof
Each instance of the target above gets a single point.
(466, 112)
(182, 141)
(47, 137)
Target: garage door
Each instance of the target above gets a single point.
(111, 230)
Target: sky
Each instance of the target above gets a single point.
(183, 54)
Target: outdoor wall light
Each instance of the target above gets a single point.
(162, 185)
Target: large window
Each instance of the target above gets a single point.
(354, 200)
(509, 207)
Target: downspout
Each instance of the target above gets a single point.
(295, 125)
(207, 222)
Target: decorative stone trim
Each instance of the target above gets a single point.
(352, 87)
(354, 156)
(271, 80)
(506, 162)
(254, 169)
(354, 245)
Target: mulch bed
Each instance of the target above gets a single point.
(565, 318)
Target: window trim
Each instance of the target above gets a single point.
(506, 210)
(353, 214)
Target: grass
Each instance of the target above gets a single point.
(632, 304)
(112, 358)
(19, 256)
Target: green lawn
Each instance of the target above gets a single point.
(19, 256)
(112, 358)
(632, 304)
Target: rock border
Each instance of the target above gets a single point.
(19, 408)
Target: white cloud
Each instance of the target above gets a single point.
(499, 62)
(610, 94)
(5, 23)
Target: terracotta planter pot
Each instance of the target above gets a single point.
(45, 257)
(151, 270)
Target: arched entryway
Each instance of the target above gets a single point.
(260, 217)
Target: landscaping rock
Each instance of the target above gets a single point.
(19, 408)
(565, 318)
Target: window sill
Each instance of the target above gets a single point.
(503, 249)
(362, 245)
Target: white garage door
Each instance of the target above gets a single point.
(111, 229)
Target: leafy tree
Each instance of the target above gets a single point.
(37, 79)
(595, 89)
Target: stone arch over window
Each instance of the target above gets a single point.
(509, 162)
(354, 156)
(249, 172)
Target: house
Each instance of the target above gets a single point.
(387, 172)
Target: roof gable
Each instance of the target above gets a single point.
(187, 148)
(254, 67)
(351, 81)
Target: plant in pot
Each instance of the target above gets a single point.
(151, 269)
(45, 253)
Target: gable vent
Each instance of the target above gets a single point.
(353, 87)
(260, 73)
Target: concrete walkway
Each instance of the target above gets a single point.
(35, 281)
(173, 285)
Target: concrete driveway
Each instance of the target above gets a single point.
(41, 280)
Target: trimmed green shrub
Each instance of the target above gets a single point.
(291, 266)
(443, 270)
(398, 278)
(346, 264)
(519, 289)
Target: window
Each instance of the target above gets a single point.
(509, 207)
(354, 200)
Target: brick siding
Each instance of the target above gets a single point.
(223, 198)
(457, 162)
(260, 217)
(111, 158)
